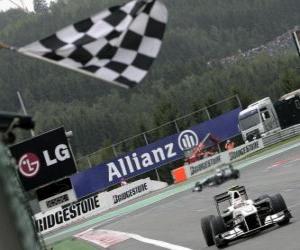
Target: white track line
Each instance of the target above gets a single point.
(156, 242)
(140, 238)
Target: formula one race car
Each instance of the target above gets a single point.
(221, 175)
(243, 217)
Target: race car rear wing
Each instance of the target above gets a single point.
(226, 197)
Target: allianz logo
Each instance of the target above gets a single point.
(135, 162)
(187, 139)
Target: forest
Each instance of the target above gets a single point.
(181, 80)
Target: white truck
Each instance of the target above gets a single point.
(258, 119)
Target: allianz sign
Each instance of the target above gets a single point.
(152, 156)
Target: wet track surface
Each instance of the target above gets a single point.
(176, 220)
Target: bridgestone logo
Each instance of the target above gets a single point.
(244, 150)
(132, 192)
(206, 164)
(68, 214)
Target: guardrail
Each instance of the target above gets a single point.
(281, 135)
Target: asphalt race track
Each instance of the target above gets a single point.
(174, 223)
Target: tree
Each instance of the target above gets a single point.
(40, 6)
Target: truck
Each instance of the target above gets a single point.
(264, 117)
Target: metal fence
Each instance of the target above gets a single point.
(166, 129)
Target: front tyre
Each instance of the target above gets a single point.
(218, 227)
(206, 230)
(278, 205)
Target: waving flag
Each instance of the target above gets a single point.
(117, 45)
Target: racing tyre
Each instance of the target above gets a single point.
(278, 205)
(236, 174)
(262, 197)
(217, 180)
(206, 230)
(218, 227)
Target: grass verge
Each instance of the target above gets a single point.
(72, 244)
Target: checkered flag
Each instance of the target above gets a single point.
(117, 45)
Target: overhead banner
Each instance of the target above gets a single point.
(154, 155)
(44, 158)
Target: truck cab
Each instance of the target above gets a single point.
(258, 119)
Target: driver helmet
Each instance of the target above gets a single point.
(236, 198)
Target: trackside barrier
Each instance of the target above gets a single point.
(130, 191)
(223, 158)
(282, 135)
(58, 200)
(179, 174)
(63, 216)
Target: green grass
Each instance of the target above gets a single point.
(72, 244)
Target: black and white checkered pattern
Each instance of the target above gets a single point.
(117, 45)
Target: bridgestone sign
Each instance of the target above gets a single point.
(68, 214)
(245, 149)
(212, 161)
(130, 193)
(63, 216)
(223, 158)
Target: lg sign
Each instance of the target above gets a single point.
(61, 153)
(29, 163)
(44, 158)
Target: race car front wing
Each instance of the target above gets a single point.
(237, 232)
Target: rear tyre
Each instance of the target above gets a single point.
(264, 196)
(218, 227)
(206, 230)
(217, 180)
(278, 204)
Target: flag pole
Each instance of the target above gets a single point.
(24, 110)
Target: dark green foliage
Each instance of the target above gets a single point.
(40, 6)
(181, 80)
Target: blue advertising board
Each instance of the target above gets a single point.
(154, 155)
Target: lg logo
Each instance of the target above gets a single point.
(187, 140)
(29, 163)
(61, 153)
